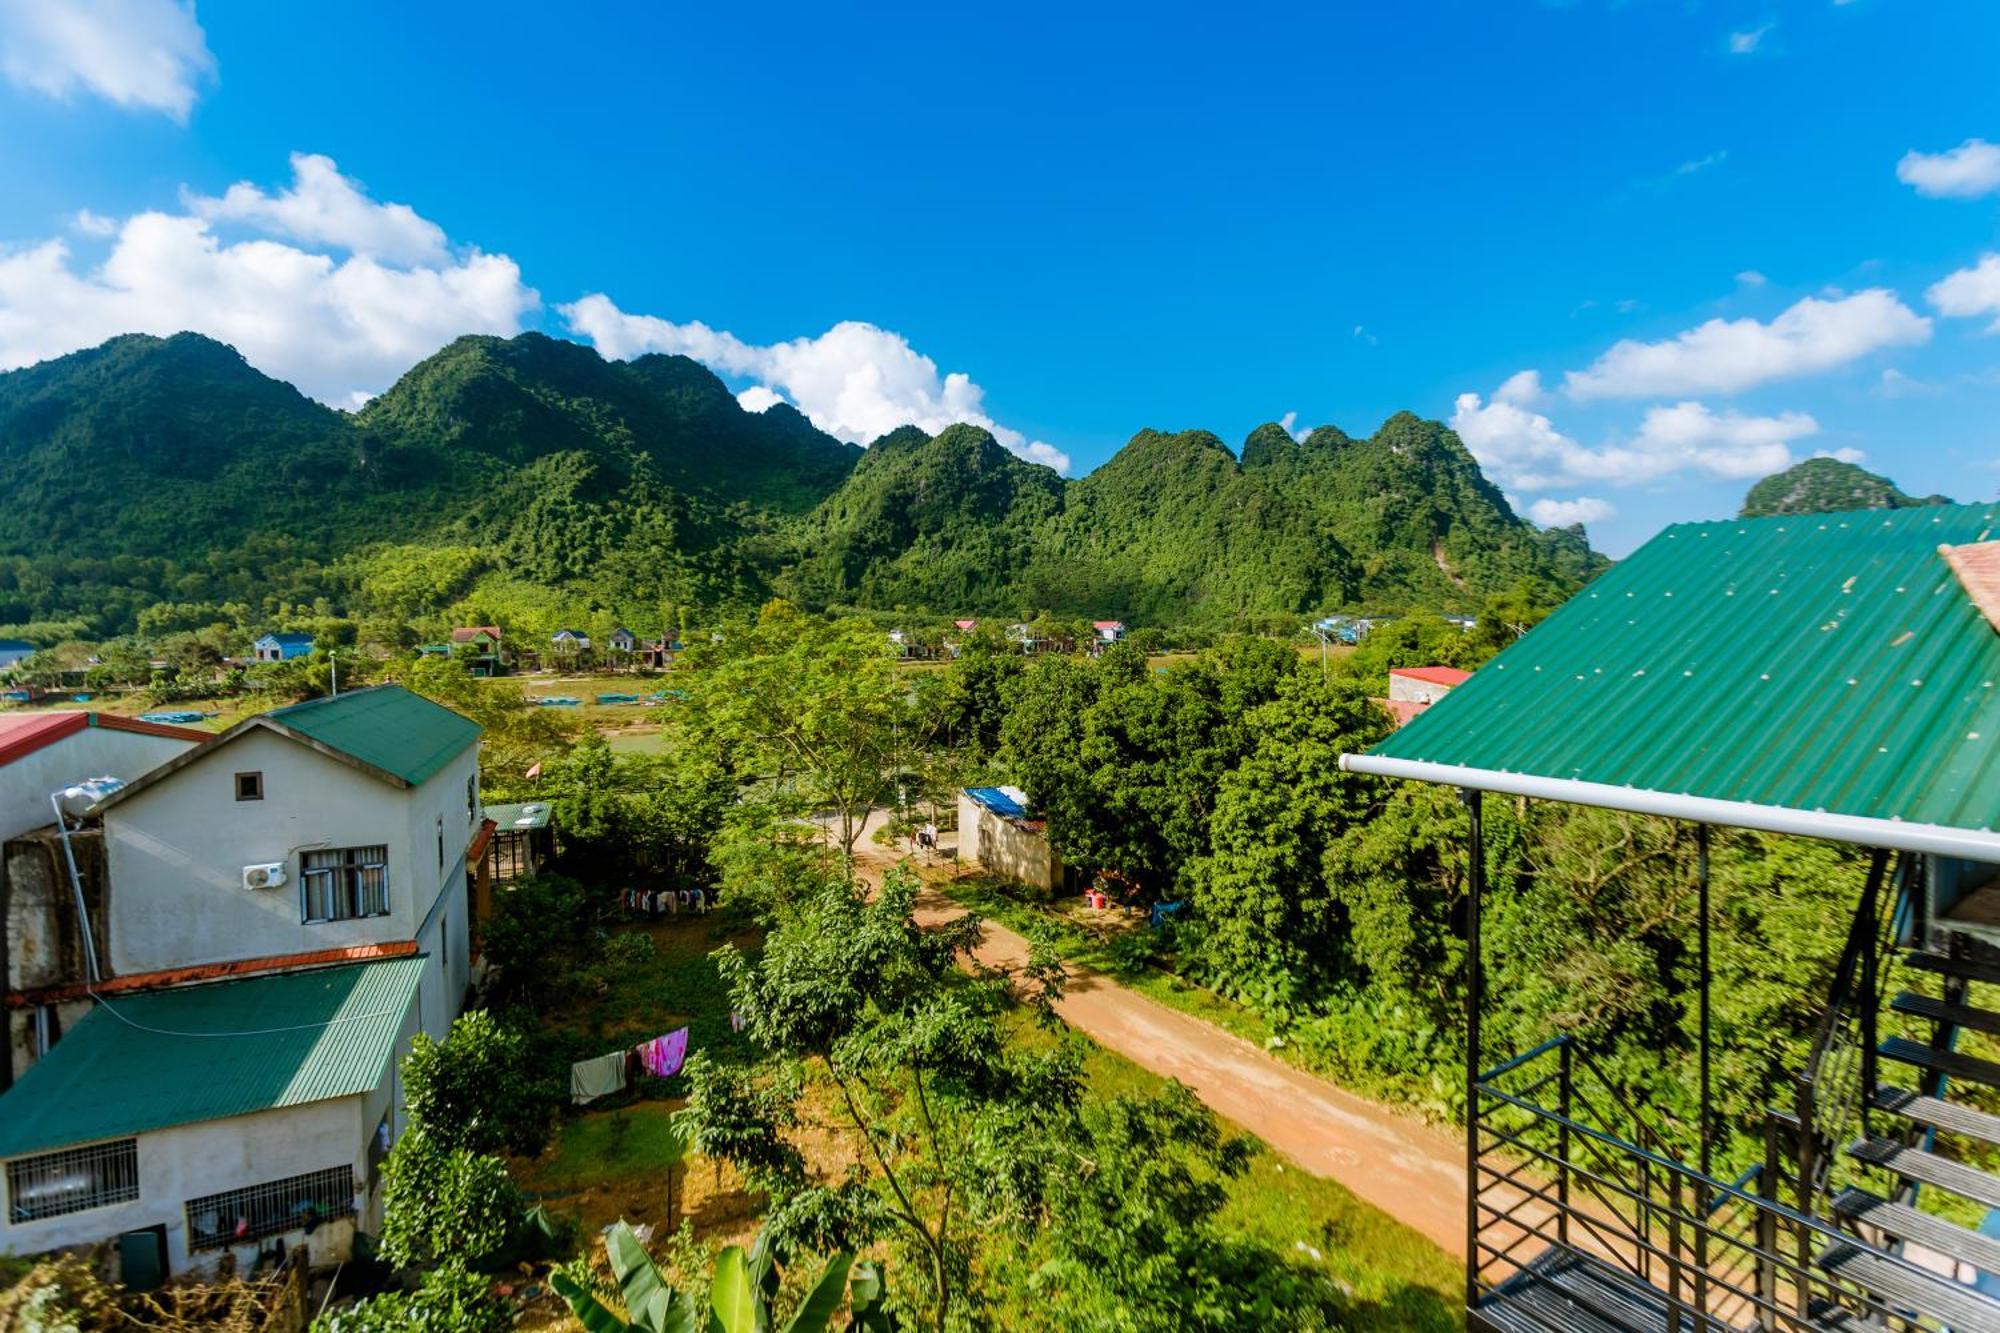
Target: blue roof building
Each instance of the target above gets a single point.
(282, 646)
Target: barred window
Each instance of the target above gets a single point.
(341, 883)
(72, 1180)
(296, 1203)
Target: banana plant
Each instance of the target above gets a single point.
(739, 1294)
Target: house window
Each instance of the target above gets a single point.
(249, 786)
(440, 844)
(245, 1216)
(472, 798)
(72, 1180)
(341, 883)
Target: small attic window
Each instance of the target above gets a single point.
(249, 786)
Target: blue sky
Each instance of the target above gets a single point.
(1719, 234)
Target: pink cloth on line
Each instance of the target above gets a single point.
(662, 1056)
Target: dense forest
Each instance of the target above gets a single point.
(1826, 485)
(162, 484)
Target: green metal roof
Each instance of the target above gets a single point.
(517, 818)
(172, 1057)
(385, 726)
(1826, 663)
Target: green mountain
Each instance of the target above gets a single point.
(165, 483)
(1174, 526)
(1827, 486)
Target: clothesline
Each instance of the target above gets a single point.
(668, 902)
(614, 1071)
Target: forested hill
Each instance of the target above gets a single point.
(1177, 524)
(163, 483)
(1827, 486)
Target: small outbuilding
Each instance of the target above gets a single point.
(282, 646)
(997, 833)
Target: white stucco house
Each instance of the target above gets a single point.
(323, 830)
(282, 907)
(43, 753)
(281, 646)
(223, 1119)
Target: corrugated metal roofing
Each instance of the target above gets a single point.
(527, 815)
(1824, 663)
(24, 733)
(174, 1057)
(1433, 675)
(387, 726)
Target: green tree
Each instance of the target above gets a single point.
(444, 1205)
(480, 1089)
(952, 1121)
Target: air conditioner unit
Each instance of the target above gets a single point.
(270, 876)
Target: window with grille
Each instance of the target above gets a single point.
(296, 1203)
(72, 1180)
(341, 883)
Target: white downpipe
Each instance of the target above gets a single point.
(76, 889)
(1894, 834)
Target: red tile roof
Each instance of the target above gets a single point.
(467, 633)
(1437, 675)
(25, 733)
(1978, 568)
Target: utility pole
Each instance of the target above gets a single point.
(333, 663)
(1315, 631)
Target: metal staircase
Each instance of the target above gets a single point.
(1584, 1223)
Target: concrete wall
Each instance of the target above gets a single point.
(1007, 848)
(176, 853)
(1416, 691)
(39, 934)
(192, 1161)
(94, 752)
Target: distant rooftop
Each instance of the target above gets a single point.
(1433, 675)
(24, 733)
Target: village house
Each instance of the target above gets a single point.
(281, 646)
(480, 648)
(1413, 689)
(997, 833)
(569, 647)
(1106, 632)
(41, 756)
(302, 874)
(659, 654)
(622, 642)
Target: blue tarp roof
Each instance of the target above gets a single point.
(998, 801)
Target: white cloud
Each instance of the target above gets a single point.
(149, 54)
(1523, 388)
(1698, 164)
(1970, 291)
(1729, 356)
(854, 381)
(1750, 277)
(323, 207)
(339, 327)
(757, 398)
(1289, 423)
(1562, 513)
(1964, 172)
(1524, 450)
(1842, 455)
(1746, 42)
(95, 224)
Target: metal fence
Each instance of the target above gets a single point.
(242, 1216)
(72, 1180)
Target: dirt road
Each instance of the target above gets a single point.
(1412, 1172)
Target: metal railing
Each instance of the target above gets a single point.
(1831, 1095)
(1566, 1167)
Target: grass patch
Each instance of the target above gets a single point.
(636, 1140)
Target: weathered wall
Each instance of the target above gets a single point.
(1006, 848)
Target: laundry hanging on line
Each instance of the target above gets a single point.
(599, 1077)
(662, 1056)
